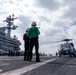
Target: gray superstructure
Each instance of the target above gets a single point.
(6, 42)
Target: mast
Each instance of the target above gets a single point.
(10, 24)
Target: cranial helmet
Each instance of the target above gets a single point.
(27, 29)
(33, 23)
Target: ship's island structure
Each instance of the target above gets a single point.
(8, 45)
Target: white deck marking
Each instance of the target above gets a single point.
(72, 66)
(0, 70)
(3, 64)
(27, 68)
(10, 58)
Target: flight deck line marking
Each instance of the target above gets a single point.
(0, 70)
(4, 64)
(27, 68)
(72, 66)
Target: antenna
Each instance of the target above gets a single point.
(10, 24)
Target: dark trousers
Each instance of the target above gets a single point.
(26, 52)
(34, 42)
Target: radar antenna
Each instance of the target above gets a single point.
(10, 24)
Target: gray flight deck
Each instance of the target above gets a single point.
(49, 65)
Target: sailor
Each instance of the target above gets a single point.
(33, 37)
(26, 45)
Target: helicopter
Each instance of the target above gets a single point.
(66, 48)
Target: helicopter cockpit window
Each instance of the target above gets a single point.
(65, 46)
(68, 45)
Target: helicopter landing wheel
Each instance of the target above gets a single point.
(70, 55)
(74, 55)
(59, 55)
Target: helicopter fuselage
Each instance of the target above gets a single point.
(66, 49)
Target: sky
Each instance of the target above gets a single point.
(56, 19)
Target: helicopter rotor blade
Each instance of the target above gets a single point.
(55, 41)
(67, 39)
(61, 40)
